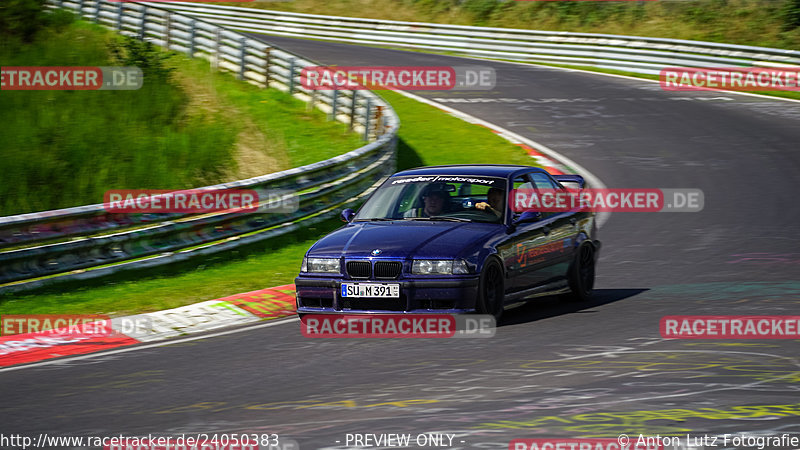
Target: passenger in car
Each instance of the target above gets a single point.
(496, 201)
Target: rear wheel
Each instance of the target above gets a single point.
(490, 289)
(581, 274)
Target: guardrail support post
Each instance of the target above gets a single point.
(217, 48)
(366, 119)
(378, 120)
(96, 16)
(266, 66)
(310, 104)
(291, 76)
(167, 29)
(80, 8)
(353, 109)
(142, 28)
(192, 31)
(242, 54)
(120, 11)
(334, 104)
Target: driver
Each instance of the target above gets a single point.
(496, 200)
(433, 201)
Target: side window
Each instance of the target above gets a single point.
(538, 181)
(523, 182)
(542, 181)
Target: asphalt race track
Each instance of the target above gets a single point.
(553, 369)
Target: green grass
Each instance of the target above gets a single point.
(427, 136)
(66, 148)
(280, 121)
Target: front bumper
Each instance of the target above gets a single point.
(451, 295)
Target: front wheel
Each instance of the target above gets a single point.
(490, 290)
(581, 274)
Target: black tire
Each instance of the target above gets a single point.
(581, 274)
(490, 290)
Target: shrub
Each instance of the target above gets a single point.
(141, 54)
(21, 18)
(791, 15)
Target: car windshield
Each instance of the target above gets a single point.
(437, 198)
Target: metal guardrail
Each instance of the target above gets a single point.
(87, 241)
(628, 53)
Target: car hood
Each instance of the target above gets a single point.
(401, 240)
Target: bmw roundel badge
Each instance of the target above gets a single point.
(377, 252)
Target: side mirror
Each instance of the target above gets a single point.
(347, 215)
(527, 217)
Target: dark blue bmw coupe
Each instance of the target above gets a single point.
(442, 239)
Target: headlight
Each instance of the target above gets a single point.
(320, 265)
(439, 267)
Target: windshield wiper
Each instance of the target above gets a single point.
(376, 219)
(449, 219)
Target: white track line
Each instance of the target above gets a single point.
(627, 77)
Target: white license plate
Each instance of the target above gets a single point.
(370, 290)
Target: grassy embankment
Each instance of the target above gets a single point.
(187, 126)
